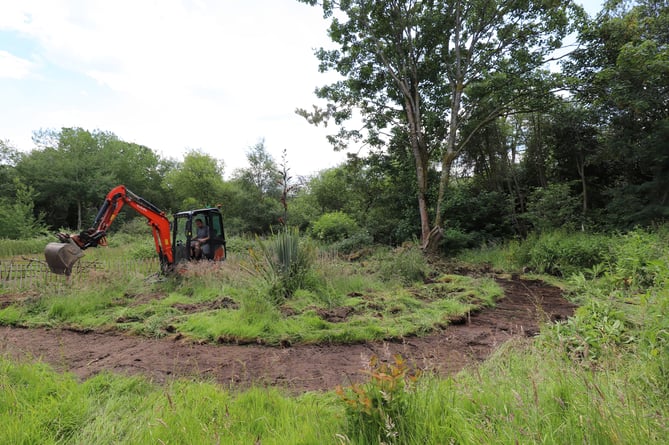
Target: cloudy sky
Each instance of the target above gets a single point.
(169, 74)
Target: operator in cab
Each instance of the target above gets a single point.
(200, 244)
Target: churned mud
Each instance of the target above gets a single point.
(298, 368)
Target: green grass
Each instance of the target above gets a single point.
(372, 315)
(599, 378)
(382, 297)
(524, 394)
(38, 405)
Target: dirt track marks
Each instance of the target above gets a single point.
(301, 367)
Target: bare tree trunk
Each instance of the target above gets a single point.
(450, 153)
(79, 222)
(580, 165)
(421, 158)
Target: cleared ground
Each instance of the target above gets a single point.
(298, 368)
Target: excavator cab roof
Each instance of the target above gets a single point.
(191, 213)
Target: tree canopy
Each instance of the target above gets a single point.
(430, 74)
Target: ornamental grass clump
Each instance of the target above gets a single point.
(284, 262)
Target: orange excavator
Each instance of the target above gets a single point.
(172, 248)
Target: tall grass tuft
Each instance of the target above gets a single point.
(406, 265)
(284, 262)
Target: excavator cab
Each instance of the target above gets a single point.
(184, 231)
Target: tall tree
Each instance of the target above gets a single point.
(622, 70)
(426, 67)
(262, 172)
(73, 169)
(253, 196)
(9, 157)
(197, 181)
(70, 174)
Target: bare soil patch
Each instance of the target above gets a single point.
(335, 315)
(219, 303)
(16, 297)
(298, 368)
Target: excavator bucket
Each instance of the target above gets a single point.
(61, 257)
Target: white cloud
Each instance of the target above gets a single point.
(216, 75)
(14, 67)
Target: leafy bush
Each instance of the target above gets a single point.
(475, 215)
(594, 327)
(136, 226)
(455, 240)
(17, 218)
(239, 244)
(354, 242)
(638, 259)
(553, 207)
(143, 251)
(334, 226)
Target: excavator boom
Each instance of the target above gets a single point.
(62, 256)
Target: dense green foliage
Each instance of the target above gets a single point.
(334, 226)
(424, 77)
(284, 262)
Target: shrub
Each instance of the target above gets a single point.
(455, 240)
(594, 328)
(561, 253)
(334, 226)
(17, 219)
(553, 207)
(143, 251)
(239, 244)
(284, 262)
(377, 410)
(638, 259)
(477, 214)
(405, 264)
(354, 242)
(137, 227)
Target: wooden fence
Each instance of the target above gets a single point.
(23, 273)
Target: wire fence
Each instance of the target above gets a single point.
(19, 274)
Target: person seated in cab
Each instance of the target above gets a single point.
(200, 244)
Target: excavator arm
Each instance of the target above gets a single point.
(61, 256)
